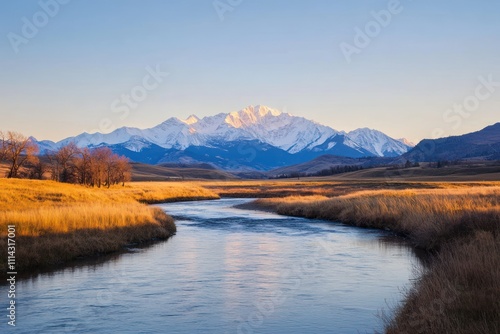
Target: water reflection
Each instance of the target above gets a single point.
(228, 271)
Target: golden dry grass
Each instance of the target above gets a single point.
(459, 292)
(428, 216)
(58, 222)
(325, 187)
(161, 192)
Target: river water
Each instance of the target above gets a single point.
(227, 271)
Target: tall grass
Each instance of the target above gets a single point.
(429, 217)
(329, 188)
(57, 222)
(161, 192)
(460, 291)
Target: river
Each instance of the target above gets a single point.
(227, 271)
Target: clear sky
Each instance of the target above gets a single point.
(69, 75)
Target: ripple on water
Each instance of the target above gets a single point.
(227, 270)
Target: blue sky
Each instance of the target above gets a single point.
(284, 54)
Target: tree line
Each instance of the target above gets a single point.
(98, 167)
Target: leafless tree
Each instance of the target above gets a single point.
(83, 166)
(35, 170)
(98, 167)
(65, 158)
(20, 150)
(3, 147)
(123, 171)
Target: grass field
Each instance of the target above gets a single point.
(58, 222)
(429, 217)
(327, 186)
(458, 222)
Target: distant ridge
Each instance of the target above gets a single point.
(483, 144)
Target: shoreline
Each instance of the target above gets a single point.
(458, 224)
(55, 251)
(90, 258)
(458, 290)
(57, 223)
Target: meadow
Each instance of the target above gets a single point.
(428, 217)
(458, 223)
(57, 222)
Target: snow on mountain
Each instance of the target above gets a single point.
(44, 145)
(290, 133)
(378, 143)
(281, 130)
(136, 144)
(118, 136)
(406, 142)
(191, 120)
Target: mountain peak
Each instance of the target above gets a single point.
(191, 119)
(250, 115)
(264, 111)
(406, 142)
(378, 142)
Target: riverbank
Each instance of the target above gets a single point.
(56, 223)
(459, 291)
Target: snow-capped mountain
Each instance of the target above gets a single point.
(279, 139)
(270, 126)
(407, 142)
(378, 143)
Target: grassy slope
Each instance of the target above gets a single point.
(477, 173)
(145, 172)
(58, 222)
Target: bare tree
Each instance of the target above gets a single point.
(123, 170)
(3, 147)
(20, 150)
(83, 166)
(117, 170)
(54, 165)
(110, 164)
(35, 170)
(65, 158)
(99, 165)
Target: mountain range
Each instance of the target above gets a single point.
(254, 138)
(479, 145)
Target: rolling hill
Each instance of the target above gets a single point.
(483, 144)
